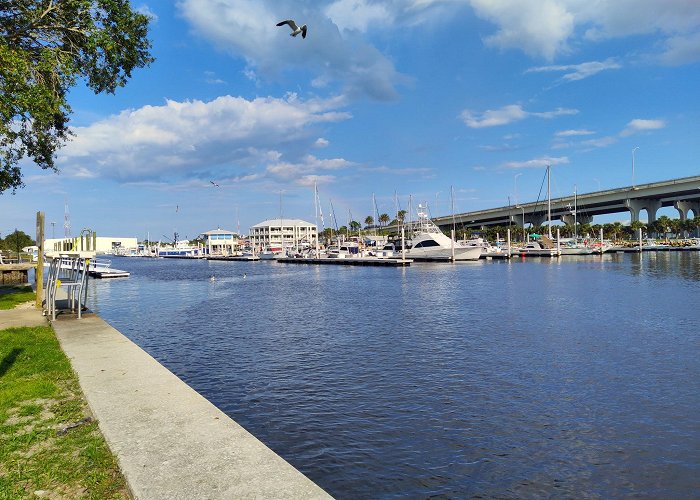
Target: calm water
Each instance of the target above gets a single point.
(555, 378)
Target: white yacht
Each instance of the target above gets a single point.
(487, 249)
(572, 246)
(272, 252)
(429, 243)
(537, 248)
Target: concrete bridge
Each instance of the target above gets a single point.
(683, 194)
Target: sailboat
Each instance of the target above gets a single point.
(544, 246)
(572, 246)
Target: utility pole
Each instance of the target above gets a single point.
(39, 272)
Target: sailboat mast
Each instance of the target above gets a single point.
(575, 226)
(549, 203)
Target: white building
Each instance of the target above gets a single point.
(289, 233)
(98, 244)
(221, 242)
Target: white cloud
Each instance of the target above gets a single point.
(640, 125)
(492, 118)
(539, 27)
(602, 142)
(358, 14)
(507, 114)
(537, 162)
(572, 133)
(147, 11)
(304, 172)
(580, 71)
(681, 49)
(192, 138)
(547, 28)
(247, 29)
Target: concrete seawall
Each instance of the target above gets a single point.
(170, 441)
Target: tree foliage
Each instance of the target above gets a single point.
(16, 241)
(46, 46)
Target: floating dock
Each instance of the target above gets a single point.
(350, 261)
(243, 258)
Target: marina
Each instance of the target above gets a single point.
(352, 261)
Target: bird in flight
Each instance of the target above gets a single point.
(214, 183)
(295, 29)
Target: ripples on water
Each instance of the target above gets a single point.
(565, 378)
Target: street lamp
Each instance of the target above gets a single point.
(633, 150)
(523, 220)
(515, 180)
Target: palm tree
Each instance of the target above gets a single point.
(384, 219)
(401, 216)
(369, 221)
(636, 226)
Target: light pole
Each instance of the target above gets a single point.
(53, 230)
(515, 180)
(633, 150)
(523, 220)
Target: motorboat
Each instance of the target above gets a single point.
(344, 250)
(272, 252)
(487, 249)
(537, 248)
(428, 242)
(574, 247)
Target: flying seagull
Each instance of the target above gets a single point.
(215, 184)
(295, 29)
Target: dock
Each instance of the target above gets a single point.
(237, 258)
(350, 261)
(15, 273)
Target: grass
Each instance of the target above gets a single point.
(49, 444)
(12, 295)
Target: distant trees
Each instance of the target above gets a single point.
(16, 241)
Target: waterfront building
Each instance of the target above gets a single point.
(98, 244)
(287, 233)
(221, 242)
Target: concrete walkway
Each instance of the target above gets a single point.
(23, 315)
(170, 441)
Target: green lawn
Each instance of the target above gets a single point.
(49, 444)
(11, 295)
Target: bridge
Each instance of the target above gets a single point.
(683, 194)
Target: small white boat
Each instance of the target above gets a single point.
(344, 250)
(272, 252)
(536, 248)
(487, 249)
(574, 247)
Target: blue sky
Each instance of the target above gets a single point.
(383, 98)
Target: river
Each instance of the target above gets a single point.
(572, 377)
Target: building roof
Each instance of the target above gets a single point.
(285, 222)
(218, 231)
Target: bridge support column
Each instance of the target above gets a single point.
(580, 219)
(537, 220)
(639, 204)
(684, 207)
